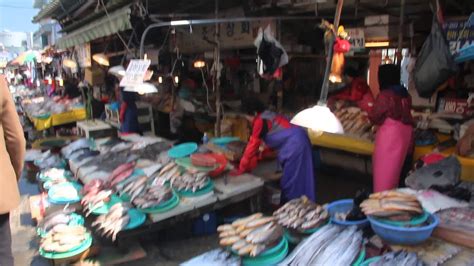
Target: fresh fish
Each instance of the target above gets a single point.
(245, 250)
(257, 249)
(259, 222)
(121, 176)
(398, 258)
(224, 227)
(239, 244)
(245, 220)
(333, 253)
(229, 240)
(60, 218)
(227, 233)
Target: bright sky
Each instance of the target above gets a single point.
(16, 15)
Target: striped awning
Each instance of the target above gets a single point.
(107, 25)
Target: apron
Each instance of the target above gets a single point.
(392, 143)
(295, 157)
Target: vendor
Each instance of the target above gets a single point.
(292, 144)
(356, 90)
(129, 113)
(71, 89)
(393, 140)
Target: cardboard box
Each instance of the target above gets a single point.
(94, 76)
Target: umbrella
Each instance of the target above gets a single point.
(28, 56)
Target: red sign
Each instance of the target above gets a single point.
(455, 106)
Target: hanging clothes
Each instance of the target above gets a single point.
(294, 154)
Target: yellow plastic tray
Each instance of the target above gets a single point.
(59, 119)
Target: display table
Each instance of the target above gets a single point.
(227, 191)
(365, 147)
(74, 115)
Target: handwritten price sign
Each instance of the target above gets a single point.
(135, 73)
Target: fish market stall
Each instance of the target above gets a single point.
(155, 180)
(45, 113)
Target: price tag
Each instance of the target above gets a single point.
(135, 73)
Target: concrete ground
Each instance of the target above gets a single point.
(168, 247)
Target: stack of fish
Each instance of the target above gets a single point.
(393, 205)
(398, 258)
(301, 214)
(95, 200)
(331, 245)
(114, 221)
(121, 173)
(153, 196)
(55, 218)
(355, 122)
(168, 171)
(62, 238)
(250, 236)
(188, 181)
(132, 186)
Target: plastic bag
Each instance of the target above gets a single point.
(435, 63)
(271, 54)
(442, 173)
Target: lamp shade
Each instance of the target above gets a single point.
(118, 71)
(69, 63)
(318, 118)
(101, 59)
(142, 88)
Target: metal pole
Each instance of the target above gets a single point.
(400, 32)
(217, 47)
(325, 87)
(212, 21)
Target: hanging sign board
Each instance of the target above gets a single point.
(233, 35)
(459, 34)
(357, 38)
(135, 73)
(84, 55)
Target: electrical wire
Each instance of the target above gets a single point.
(118, 34)
(207, 89)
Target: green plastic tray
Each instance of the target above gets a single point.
(163, 207)
(206, 189)
(73, 252)
(61, 200)
(43, 177)
(369, 261)
(270, 258)
(114, 199)
(76, 220)
(137, 218)
(360, 259)
(186, 163)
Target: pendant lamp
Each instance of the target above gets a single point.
(101, 59)
(118, 71)
(143, 88)
(319, 118)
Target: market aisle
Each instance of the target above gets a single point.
(25, 247)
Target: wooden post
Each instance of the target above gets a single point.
(400, 32)
(217, 129)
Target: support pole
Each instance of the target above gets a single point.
(325, 87)
(400, 32)
(217, 59)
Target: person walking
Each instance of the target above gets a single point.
(12, 152)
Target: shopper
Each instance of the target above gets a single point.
(393, 140)
(129, 113)
(291, 143)
(12, 151)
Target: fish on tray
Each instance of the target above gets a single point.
(250, 236)
(153, 196)
(188, 181)
(392, 205)
(114, 221)
(301, 214)
(398, 258)
(63, 238)
(62, 216)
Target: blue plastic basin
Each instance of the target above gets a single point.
(344, 205)
(404, 235)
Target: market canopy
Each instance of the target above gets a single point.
(28, 56)
(115, 22)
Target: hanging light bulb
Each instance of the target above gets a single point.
(160, 79)
(60, 80)
(101, 59)
(387, 60)
(199, 64)
(176, 79)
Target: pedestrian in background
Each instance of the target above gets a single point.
(12, 152)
